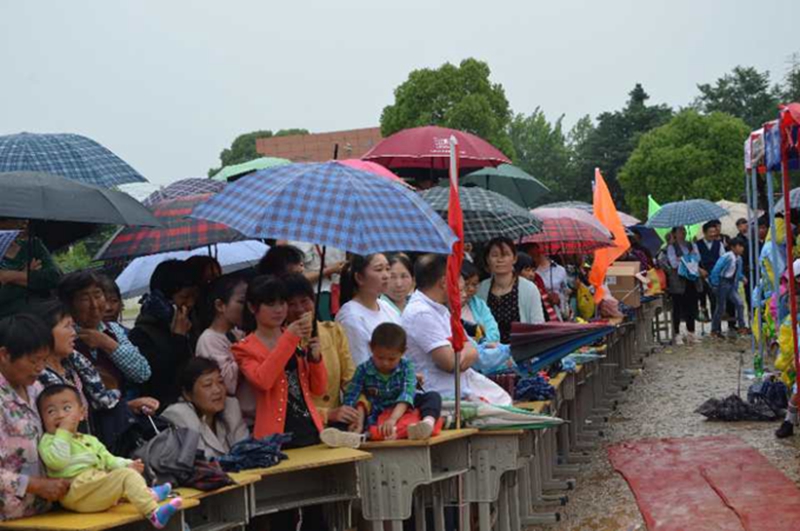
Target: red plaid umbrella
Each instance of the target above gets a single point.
(429, 147)
(179, 233)
(566, 235)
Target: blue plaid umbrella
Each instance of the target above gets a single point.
(329, 204)
(72, 156)
(682, 213)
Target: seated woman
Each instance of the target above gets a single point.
(223, 311)
(162, 329)
(205, 408)
(364, 279)
(25, 343)
(401, 282)
(510, 298)
(476, 315)
(284, 373)
(493, 356)
(334, 348)
(121, 365)
(20, 284)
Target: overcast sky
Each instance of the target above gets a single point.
(168, 84)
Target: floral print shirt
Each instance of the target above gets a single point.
(20, 429)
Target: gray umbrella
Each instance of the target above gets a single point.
(794, 200)
(682, 213)
(486, 214)
(510, 181)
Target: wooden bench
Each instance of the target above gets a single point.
(403, 473)
(221, 509)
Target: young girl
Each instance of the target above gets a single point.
(283, 365)
(363, 280)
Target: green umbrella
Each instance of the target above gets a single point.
(230, 173)
(510, 181)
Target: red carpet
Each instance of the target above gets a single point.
(707, 484)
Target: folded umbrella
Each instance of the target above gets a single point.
(486, 214)
(689, 212)
(329, 204)
(72, 156)
(177, 233)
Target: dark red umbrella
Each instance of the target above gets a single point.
(179, 232)
(429, 147)
(566, 235)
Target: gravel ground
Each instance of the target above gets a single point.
(661, 403)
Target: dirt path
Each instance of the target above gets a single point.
(661, 403)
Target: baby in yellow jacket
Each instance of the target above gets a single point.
(99, 478)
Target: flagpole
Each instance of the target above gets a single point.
(454, 190)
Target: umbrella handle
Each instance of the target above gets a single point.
(319, 291)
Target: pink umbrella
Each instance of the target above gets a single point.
(429, 147)
(572, 213)
(371, 167)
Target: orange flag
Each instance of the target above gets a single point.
(606, 212)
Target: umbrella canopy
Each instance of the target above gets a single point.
(429, 147)
(329, 204)
(687, 212)
(563, 233)
(179, 232)
(510, 181)
(135, 279)
(72, 156)
(371, 167)
(794, 200)
(626, 219)
(234, 171)
(183, 188)
(62, 210)
(486, 214)
(139, 191)
(736, 211)
(649, 238)
(575, 214)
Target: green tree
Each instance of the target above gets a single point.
(745, 93)
(609, 144)
(460, 97)
(540, 149)
(243, 147)
(693, 156)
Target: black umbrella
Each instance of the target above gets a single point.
(63, 210)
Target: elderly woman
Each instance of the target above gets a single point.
(511, 298)
(19, 283)
(105, 344)
(204, 407)
(162, 329)
(25, 343)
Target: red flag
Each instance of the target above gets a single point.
(455, 218)
(606, 212)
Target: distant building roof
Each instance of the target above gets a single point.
(319, 147)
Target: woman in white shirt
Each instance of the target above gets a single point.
(364, 279)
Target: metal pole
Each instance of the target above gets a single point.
(756, 259)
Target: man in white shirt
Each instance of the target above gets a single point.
(426, 320)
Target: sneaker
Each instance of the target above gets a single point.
(341, 439)
(420, 431)
(678, 340)
(160, 517)
(692, 338)
(786, 430)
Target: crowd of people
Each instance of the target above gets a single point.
(241, 354)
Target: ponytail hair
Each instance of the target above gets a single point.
(357, 264)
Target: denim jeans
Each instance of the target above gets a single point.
(727, 291)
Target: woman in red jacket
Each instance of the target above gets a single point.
(283, 364)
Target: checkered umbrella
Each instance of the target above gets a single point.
(682, 213)
(565, 234)
(183, 188)
(179, 233)
(72, 156)
(486, 214)
(329, 204)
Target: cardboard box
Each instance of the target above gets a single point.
(623, 284)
